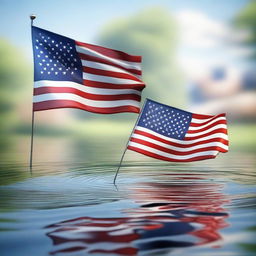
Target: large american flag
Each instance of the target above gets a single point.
(71, 74)
(172, 134)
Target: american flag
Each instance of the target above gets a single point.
(71, 74)
(175, 135)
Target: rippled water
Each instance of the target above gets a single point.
(157, 208)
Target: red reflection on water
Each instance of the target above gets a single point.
(168, 216)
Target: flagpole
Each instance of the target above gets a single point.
(32, 17)
(138, 118)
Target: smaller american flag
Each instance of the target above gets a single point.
(175, 135)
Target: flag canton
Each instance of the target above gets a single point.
(55, 57)
(165, 120)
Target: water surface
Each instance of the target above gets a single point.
(71, 207)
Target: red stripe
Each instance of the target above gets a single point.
(97, 59)
(102, 85)
(175, 152)
(128, 251)
(208, 126)
(144, 152)
(102, 72)
(225, 142)
(206, 122)
(43, 90)
(52, 104)
(221, 130)
(112, 53)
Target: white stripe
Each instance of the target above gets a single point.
(212, 144)
(92, 103)
(219, 126)
(161, 153)
(185, 142)
(83, 88)
(123, 63)
(101, 66)
(205, 125)
(199, 121)
(108, 79)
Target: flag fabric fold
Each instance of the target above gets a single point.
(72, 74)
(171, 134)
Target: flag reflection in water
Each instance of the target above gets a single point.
(170, 215)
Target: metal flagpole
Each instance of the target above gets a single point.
(138, 118)
(32, 17)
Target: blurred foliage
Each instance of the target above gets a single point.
(242, 137)
(246, 19)
(249, 247)
(14, 74)
(152, 34)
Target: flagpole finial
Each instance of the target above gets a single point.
(32, 16)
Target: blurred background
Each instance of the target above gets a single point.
(198, 55)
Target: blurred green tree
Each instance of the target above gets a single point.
(14, 79)
(246, 19)
(151, 33)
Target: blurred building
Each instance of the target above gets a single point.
(227, 90)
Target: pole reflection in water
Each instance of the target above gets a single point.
(169, 215)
